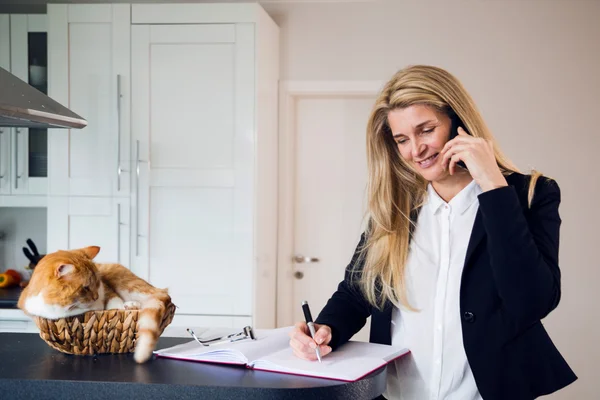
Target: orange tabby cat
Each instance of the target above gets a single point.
(67, 283)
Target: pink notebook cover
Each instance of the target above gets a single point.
(383, 363)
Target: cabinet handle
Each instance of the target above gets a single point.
(1, 164)
(119, 232)
(137, 195)
(119, 169)
(137, 198)
(17, 176)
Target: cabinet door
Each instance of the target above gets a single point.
(5, 41)
(28, 61)
(194, 135)
(24, 152)
(90, 73)
(5, 132)
(75, 222)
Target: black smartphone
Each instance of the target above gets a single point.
(455, 122)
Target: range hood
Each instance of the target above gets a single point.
(21, 105)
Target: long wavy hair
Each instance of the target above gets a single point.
(395, 191)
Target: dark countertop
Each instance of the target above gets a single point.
(10, 297)
(31, 369)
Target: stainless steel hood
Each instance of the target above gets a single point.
(21, 105)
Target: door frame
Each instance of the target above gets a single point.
(290, 92)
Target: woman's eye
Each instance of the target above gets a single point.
(427, 130)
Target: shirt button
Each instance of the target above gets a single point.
(469, 316)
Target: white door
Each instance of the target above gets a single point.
(76, 222)
(193, 126)
(330, 195)
(90, 73)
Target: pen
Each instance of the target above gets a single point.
(311, 326)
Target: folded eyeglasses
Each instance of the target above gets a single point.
(246, 333)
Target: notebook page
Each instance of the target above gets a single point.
(267, 340)
(350, 362)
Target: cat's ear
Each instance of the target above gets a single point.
(64, 269)
(90, 251)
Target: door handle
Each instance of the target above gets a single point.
(300, 259)
(17, 176)
(1, 173)
(119, 99)
(137, 196)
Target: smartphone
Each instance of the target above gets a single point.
(455, 122)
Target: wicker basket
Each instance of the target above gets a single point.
(96, 332)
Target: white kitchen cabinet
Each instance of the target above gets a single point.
(204, 128)
(24, 151)
(76, 222)
(14, 320)
(89, 65)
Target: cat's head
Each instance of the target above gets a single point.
(67, 278)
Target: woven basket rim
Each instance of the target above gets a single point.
(95, 332)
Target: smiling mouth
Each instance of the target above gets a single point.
(428, 161)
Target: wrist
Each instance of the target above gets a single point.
(496, 183)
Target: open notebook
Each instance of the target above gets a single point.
(271, 352)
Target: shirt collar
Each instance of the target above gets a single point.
(460, 203)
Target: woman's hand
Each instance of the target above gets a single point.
(304, 346)
(478, 156)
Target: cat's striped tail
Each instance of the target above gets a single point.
(148, 326)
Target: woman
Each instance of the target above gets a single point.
(459, 262)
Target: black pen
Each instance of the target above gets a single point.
(311, 326)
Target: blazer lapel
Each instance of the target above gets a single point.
(477, 235)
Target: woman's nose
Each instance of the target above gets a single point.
(417, 148)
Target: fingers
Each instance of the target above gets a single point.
(323, 334)
(453, 161)
(451, 152)
(462, 131)
(304, 346)
(308, 353)
(301, 335)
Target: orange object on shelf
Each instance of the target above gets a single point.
(14, 274)
(7, 281)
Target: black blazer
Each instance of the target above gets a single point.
(510, 281)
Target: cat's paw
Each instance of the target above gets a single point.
(132, 305)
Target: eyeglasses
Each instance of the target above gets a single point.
(246, 333)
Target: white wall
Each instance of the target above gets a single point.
(533, 66)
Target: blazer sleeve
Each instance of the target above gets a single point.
(347, 310)
(523, 249)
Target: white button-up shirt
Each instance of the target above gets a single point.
(437, 367)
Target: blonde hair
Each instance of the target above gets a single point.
(395, 190)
